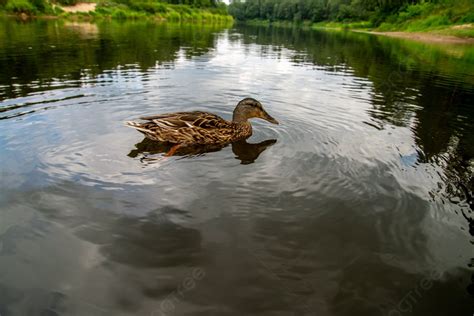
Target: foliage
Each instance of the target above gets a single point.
(468, 18)
(67, 2)
(410, 15)
(139, 9)
(172, 10)
(20, 6)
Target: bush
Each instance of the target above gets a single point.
(468, 18)
(173, 16)
(196, 17)
(149, 7)
(67, 2)
(384, 27)
(182, 9)
(119, 15)
(345, 13)
(20, 6)
(40, 5)
(436, 20)
(417, 9)
(378, 18)
(103, 10)
(50, 10)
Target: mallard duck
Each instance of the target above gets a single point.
(202, 128)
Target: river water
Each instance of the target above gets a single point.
(359, 203)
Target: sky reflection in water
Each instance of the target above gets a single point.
(363, 201)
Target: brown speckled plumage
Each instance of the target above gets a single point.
(187, 128)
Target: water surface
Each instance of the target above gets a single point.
(359, 203)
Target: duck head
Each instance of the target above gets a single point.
(250, 108)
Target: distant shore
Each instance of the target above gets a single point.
(448, 35)
(447, 21)
(454, 34)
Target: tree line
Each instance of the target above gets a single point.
(320, 10)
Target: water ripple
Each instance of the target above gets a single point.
(358, 193)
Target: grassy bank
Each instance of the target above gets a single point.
(160, 11)
(417, 26)
(119, 10)
(445, 17)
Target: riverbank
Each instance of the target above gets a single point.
(104, 9)
(442, 20)
(451, 35)
(462, 33)
(80, 7)
(427, 37)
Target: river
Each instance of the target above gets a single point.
(359, 203)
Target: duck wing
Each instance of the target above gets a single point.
(187, 120)
(186, 128)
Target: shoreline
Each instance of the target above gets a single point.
(428, 36)
(445, 35)
(424, 37)
(84, 17)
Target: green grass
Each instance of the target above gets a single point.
(361, 25)
(158, 11)
(444, 18)
(20, 6)
(126, 10)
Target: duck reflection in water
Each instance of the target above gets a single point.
(246, 152)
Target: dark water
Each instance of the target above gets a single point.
(359, 203)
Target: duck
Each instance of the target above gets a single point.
(201, 128)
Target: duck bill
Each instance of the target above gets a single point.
(269, 118)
